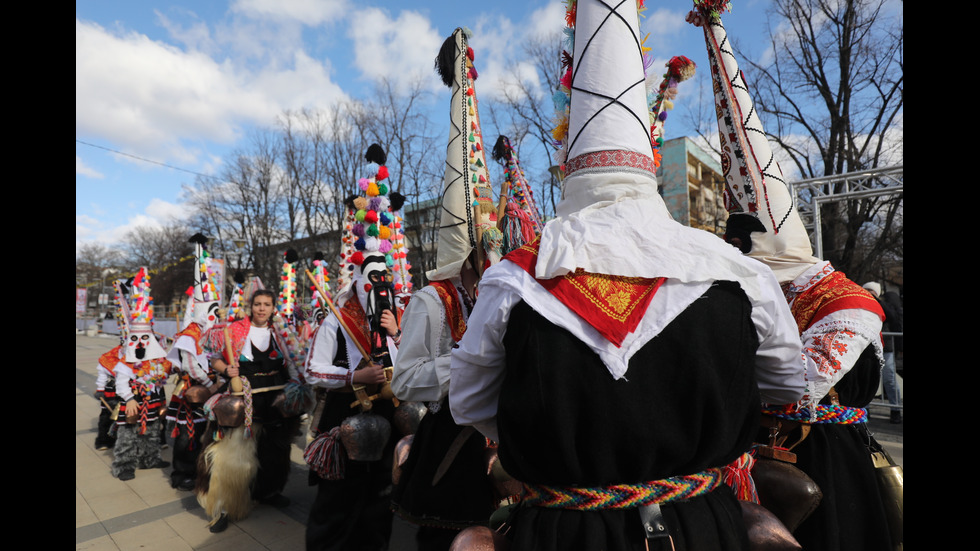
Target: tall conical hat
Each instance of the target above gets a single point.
(611, 219)
(286, 303)
(520, 221)
(236, 303)
(754, 184)
(322, 279)
(142, 344)
(121, 301)
(205, 290)
(467, 197)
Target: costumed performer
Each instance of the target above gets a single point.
(348, 357)
(619, 360)
(443, 484)
(185, 414)
(839, 323)
(140, 379)
(105, 379)
(249, 459)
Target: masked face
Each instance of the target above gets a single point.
(142, 345)
(206, 314)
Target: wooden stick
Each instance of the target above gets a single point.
(336, 313)
(359, 391)
(502, 204)
(236, 382)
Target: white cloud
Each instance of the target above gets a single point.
(309, 12)
(154, 99)
(666, 28)
(401, 49)
(85, 170)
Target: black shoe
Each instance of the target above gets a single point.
(896, 418)
(160, 464)
(276, 500)
(219, 525)
(186, 484)
(127, 475)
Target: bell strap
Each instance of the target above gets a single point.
(622, 496)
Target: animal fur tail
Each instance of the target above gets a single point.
(230, 466)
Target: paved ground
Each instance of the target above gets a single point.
(147, 514)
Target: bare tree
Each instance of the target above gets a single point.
(415, 160)
(832, 95)
(529, 112)
(166, 252)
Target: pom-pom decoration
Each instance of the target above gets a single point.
(679, 69)
(287, 289)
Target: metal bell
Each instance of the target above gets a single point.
(230, 411)
(197, 395)
(364, 436)
(407, 417)
(402, 449)
(479, 538)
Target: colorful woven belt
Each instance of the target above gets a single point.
(825, 415)
(622, 496)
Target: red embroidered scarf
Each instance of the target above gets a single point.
(832, 293)
(454, 309)
(613, 305)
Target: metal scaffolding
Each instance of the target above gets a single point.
(853, 185)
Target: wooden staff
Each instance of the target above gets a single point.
(359, 391)
(236, 381)
(502, 205)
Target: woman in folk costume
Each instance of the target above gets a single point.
(140, 378)
(443, 485)
(350, 459)
(105, 380)
(185, 413)
(250, 459)
(838, 321)
(619, 360)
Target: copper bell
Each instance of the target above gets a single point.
(402, 449)
(197, 395)
(785, 490)
(230, 411)
(479, 538)
(766, 532)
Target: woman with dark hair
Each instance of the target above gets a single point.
(250, 461)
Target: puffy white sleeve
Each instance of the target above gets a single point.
(780, 372)
(479, 364)
(123, 376)
(102, 377)
(320, 369)
(421, 371)
(833, 345)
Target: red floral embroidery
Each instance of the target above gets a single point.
(826, 350)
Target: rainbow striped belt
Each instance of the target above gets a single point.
(826, 415)
(622, 496)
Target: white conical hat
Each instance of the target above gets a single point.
(611, 219)
(205, 290)
(754, 183)
(142, 344)
(467, 201)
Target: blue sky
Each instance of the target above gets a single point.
(181, 83)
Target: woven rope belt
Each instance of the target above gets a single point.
(622, 496)
(826, 415)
